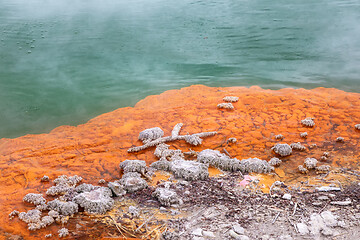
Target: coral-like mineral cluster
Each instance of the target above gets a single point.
(189, 170)
(255, 165)
(134, 166)
(117, 188)
(194, 139)
(63, 184)
(225, 106)
(218, 160)
(166, 197)
(282, 149)
(308, 122)
(231, 99)
(310, 163)
(323, 168)
(63, 208)
(133, 182)
(304, 135)
(302, 169)
(97, 201)
(63, 232)
(275, 162)
(151, 134)
(298, 146)
(34, 198)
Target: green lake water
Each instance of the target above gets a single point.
(65, 62)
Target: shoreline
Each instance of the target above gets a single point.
(98, 146)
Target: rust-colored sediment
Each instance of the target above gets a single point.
(95, 149)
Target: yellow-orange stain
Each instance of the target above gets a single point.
(213, 172)
(94, 150)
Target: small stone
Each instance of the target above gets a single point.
(340, 139)
(48, 235)
(302, 228)
(234, 234)
(285, 237)
(134, 211)
(197, 238)
(231, 140)
(238, 229)
(197, 232)
(323, 198)
(208, 234)
(45, 179)
(279, 137)
(341, 224)
(102, 181)
(327, 189)
(326, 154)
(174, 212)
(327, 232)
(329, 218)
(243, 237)
(286, 196)
(313, 146)
(341, 203)
(316, 204)
(357, 126)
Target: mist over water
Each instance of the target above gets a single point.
(66, 62)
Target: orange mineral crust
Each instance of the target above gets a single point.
(95, 149)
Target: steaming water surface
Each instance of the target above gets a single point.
(68, 61)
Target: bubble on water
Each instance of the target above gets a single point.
(32, 46)
(29, 51)
(18, 43)
(33, 40)
(42, 36)
(20, 48)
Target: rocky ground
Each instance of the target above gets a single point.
(218, 209)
